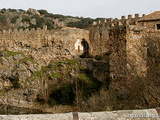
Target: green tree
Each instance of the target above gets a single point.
(3, 20)
(26, 19)
(12, 10)
(85, 22)
(3, 10)
(14, 19)
(42, 12)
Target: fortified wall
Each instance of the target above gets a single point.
(42, 44)
(129, 44)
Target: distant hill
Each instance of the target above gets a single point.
(22, 19)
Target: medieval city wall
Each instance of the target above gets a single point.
(102, 32)
(110, 40)
(153, 56)
(149, 24)
(126, 42)
(117, 58)
(99, 39)
(136, 51)
(42, 44)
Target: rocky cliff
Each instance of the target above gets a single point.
(67, 85)
(24, 83)
(17, 88)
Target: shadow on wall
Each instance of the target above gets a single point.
(86, 49)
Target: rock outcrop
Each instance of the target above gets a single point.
(24, 83)
(15, 83)
(33, 11)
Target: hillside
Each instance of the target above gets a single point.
(21, 19)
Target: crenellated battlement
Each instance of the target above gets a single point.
(32, 42)
(22, 31)
(129, 20)
(36, 37)
(129, 42)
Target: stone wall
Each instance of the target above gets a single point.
(125, 42)
(133, 51)
(146, 114)
(99, 39)
(109, 40)
(42, 44)
(149, 24)
(136, 51)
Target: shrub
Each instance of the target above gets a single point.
(50, 24)
(40, 22)
(21, 10)
(85, 22)
(3, 10)
(40, 98)
(97, 102)
(63, 95)
(12, 10)
(14, 19)
(26, 19)
(35, 16)
(42, 12)
(3, 20)
(52, 102)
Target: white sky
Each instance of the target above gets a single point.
(87, 8)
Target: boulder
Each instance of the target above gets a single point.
(33, 11)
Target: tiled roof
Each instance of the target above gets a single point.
(153, 16)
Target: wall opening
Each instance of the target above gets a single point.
(78, 48)
(158, 26)
(114, 76)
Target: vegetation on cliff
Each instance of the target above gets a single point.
(64, 82)
(70, 84)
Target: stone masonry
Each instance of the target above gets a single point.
(146, 114)
(42, 44)
(129, 44)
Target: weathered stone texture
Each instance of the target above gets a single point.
(147, 114)
(125, 39)
(43, 45)
(132, 47)
(33, 11)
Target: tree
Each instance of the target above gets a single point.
(14, 19)
(3, 20)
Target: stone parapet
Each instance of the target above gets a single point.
(146, 114)
(35, 42)
(124, 20)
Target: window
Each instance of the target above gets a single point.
(158, 26)
(114, 76)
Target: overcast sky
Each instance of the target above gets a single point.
(87, 8)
